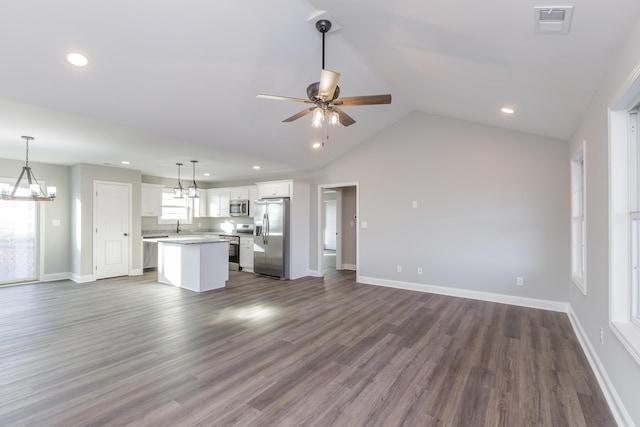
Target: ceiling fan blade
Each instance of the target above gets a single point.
(345, 119)
(364, 100)
(328, 82)
(283, 98)
(300, 114)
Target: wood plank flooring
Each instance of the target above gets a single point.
(309, 352)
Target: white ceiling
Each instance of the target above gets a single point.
(174, 81)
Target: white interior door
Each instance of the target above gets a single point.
(112, 229)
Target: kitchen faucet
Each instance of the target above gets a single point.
(178, 227)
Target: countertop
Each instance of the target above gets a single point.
(189, 241)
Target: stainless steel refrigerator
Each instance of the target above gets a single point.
(271, 240)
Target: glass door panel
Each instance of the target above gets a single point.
(18, 241)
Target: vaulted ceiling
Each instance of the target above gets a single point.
(175, 81)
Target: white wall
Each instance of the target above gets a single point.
(492, 205)
(592, 310)
(56, 238)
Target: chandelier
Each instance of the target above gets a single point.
(36, 193)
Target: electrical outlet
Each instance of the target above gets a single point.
(365, 224)
(399, 269)
(414, 204)
(519, 281)
(419, 270)
(601, 336)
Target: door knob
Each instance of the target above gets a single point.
(126, 234)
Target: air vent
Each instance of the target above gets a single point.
(552, 19)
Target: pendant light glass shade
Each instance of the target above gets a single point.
(35, 192)
(194, 190)
(334, 119)
(318, 117)
(178, 192)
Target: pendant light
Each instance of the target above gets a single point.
(194, 190)
(177, 190)
(36, 193)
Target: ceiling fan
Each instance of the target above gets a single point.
(325, 94)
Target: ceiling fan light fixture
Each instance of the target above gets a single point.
(318, 117)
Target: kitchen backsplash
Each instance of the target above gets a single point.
(150, 226)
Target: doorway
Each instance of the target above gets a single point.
(112, 219)
(338, 231)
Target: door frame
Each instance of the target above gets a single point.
(95, 221)
(339, 225)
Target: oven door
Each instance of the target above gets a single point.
(234, 252)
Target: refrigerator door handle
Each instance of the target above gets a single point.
(264, 228)
(268, 225)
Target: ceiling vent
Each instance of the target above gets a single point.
(552, 19)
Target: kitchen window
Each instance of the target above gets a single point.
(578, 223)
(174, 210)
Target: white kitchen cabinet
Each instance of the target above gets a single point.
(274, 189)
(246, 253)
(218, 202)
(253, 196)
(200, 205)
(239, 193)
(151, 199)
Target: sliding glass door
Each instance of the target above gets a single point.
(18, 241)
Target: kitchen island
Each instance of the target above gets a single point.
(196, 264)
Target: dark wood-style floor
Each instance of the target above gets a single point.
(308, 352)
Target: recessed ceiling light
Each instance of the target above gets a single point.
(206, 174)
(316, 145)
(507, 110)
(125, 162)
(77, 59)
(256, 167)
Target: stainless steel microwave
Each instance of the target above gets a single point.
(239, 208)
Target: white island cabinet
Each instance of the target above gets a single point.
(198, 265)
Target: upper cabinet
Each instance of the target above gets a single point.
(151, 202)
(218, 202)
(273, 189)
(200, 205)
(239, 193)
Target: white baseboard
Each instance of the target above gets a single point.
(136, 272)
(314, 273)
(82, 279)
(465, 293)
(615, 404)
(349, 267)
(55, 276)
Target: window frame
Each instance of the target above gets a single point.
(624, 206)
(188, 205)
(578, 220)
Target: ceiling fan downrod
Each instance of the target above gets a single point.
(323, 25)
